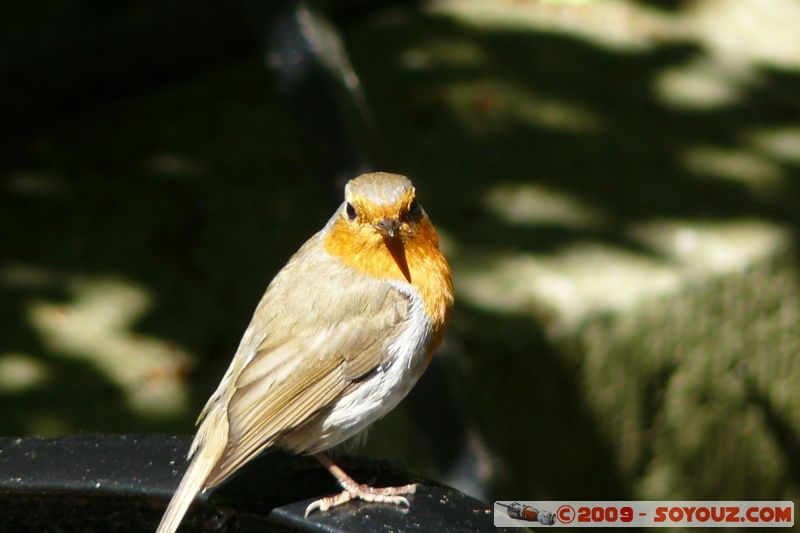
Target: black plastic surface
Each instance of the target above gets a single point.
(123, 482)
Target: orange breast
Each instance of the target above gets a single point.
(416, 260)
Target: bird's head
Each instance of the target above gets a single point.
(381, 218)
(382, 204)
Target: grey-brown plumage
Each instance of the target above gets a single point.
(332, 345)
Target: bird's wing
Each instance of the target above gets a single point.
(287, 382)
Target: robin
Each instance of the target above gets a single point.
(340, 336)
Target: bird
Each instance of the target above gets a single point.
(342, 333)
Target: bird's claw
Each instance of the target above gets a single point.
(390, 495)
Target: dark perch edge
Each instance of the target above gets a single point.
(123, 483)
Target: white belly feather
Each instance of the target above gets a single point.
(382, 390)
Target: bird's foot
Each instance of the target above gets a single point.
(392, 495)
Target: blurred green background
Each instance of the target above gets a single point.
(616, 184)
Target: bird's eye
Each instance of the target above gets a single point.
(351, 211)
(414, 209)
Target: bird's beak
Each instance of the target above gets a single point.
(388, 227)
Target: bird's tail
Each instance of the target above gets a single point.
(208, 452)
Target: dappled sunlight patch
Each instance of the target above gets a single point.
(780, 143)
(757, 173)
(95, 327)
(753, 31)
(21, 372)
(567, 286)
(736, 37)
(487, 107)
(701, 84)
(712, 246)
(532, 204)
(617, 25)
